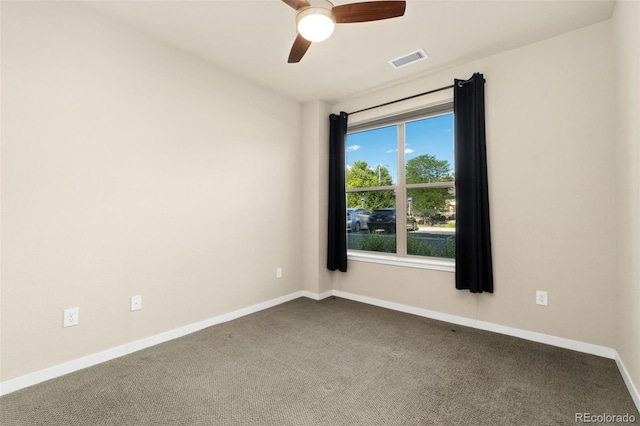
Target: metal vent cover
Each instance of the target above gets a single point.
(409, 58)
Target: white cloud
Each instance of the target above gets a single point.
(409, 151)
(391, 151)
(354, 147)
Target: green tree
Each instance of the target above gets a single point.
(427, 169)
(360, 175)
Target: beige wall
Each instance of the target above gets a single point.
(131, 168)
(551, 159)
(314, 205)
(626, 36)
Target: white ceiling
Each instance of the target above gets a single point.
(252, 38)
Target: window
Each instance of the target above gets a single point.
(402, 167)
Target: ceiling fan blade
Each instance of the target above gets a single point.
(297, 4)
(368, 11)
(300, 47)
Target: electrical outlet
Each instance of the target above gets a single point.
(278, 272)
(136, 303)
(541, 297)
(70, 317)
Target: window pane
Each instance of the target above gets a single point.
(372, 158)
(373, 229)
(434, 209)
(429, 150)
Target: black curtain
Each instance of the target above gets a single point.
(474, 270)
(337, 241)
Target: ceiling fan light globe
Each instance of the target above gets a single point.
(315, 24)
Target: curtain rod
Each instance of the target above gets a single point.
(410, 97)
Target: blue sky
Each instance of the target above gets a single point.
(433, 136)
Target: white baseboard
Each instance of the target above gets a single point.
(316, 296)
(482, 325)
(561, 342)
(100, 357)
(633, 390)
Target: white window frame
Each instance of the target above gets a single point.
(401, 258)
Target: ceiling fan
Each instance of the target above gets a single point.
(315, 22)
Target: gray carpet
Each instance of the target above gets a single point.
(333, 362)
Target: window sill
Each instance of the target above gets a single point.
(408, 262)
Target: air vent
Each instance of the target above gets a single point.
(410, 58)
